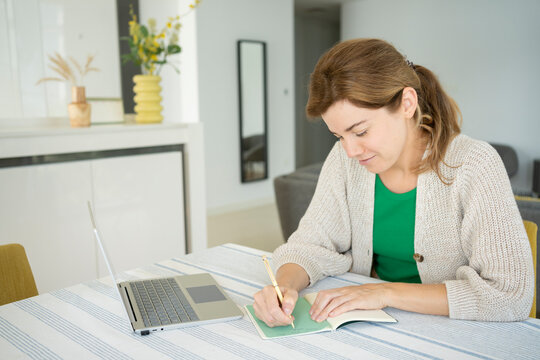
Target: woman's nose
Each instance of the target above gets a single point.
(352, 148)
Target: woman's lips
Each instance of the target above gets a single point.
(365, 161)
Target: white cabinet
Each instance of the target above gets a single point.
(41, 208)
(138, 179)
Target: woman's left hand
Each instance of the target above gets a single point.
(334, 302)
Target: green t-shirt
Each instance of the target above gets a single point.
(393, 235)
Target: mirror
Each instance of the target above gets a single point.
(252, 109)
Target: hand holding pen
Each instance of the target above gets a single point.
(274, 283)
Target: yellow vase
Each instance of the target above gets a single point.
(147, 99)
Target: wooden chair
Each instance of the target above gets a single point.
(532, 231)
(16, 278)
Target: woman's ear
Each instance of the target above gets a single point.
(409, 102)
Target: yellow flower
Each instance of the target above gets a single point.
(133, 27)
(152, 48)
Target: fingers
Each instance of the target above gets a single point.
(267, 307)
(335, 302)
(327, 301)
(289, 300)
(343, 308)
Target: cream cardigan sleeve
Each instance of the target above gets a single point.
(322, 242)
(498, 282)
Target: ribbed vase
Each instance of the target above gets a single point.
(79, 109)
(147, 99)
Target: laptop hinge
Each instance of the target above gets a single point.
(130, 304)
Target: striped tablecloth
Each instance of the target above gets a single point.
(86, 321)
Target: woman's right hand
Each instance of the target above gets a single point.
(267, 307)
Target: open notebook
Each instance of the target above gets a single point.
(305, 325)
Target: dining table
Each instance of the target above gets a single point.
(87, 321)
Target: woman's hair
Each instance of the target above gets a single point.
(371, 73)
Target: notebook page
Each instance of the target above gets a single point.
(302, 322)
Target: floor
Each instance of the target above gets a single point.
(256, 227)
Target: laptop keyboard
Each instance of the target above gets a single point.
(162, 302)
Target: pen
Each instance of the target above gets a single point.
(274, 282)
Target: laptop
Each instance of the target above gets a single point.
(172, 302)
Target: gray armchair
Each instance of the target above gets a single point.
(293, 195)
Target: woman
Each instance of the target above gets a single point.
(403, 197)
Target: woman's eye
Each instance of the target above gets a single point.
(361, 134)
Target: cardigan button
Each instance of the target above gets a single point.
(418, 257)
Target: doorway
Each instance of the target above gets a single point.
(316, 30)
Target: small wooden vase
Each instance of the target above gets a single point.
(79, 109)
(147, 97)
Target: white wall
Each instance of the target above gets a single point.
(485, 52)
(10, 99)
(219, 25)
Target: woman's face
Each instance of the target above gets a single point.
(378, 139)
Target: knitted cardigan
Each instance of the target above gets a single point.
(470, 233)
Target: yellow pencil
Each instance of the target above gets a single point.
(274, 282)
